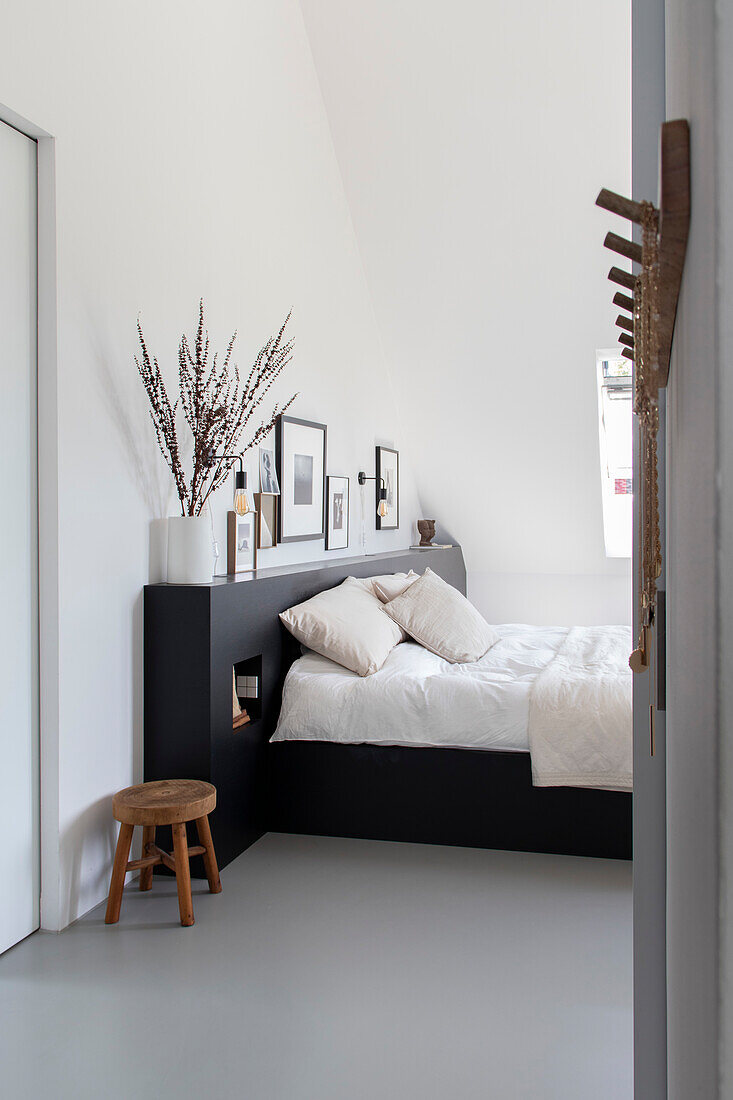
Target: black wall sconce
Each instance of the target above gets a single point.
(242, 503)
(381, 492)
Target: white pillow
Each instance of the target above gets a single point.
(438, 617)
(390, 584)
(390, 587)
(347, 624)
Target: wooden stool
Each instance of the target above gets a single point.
(166, 802)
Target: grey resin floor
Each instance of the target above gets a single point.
(336, 970)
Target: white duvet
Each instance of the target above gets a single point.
(419, 699)
(580, 712)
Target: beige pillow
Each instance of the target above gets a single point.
(392, 584)
(438, 617)
(388, 586)
(347, 624)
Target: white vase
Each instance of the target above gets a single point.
(190, 550)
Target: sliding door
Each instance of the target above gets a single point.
(19, 724)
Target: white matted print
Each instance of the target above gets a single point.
(388, 476)
(241, 542)
(337, 513)
(268, 472)
(301, 469)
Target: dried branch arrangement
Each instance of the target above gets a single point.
(215, 404)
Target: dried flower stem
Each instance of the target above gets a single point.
(215, 405)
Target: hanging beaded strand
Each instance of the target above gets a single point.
(646, 407)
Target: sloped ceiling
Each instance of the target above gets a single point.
(472, 139)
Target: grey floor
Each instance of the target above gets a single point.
(336, 970)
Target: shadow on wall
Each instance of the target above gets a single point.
(552, 599)
(442, 534)
(157, 551)
(94, 824)
(130, 417)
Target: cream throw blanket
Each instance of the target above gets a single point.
(580, 717)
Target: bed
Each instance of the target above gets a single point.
(479, 796)
(532, 680)
(432, 751)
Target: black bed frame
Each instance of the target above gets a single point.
(194, 635)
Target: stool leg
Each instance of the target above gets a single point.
(183, 874)
(119, 867)
(146, 875)
(212, 870)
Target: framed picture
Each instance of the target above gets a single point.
(337, 513)
(266, 505)
(300, 449)
(388, 470)
(268, 472)
(241, 542)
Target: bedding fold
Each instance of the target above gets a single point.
(580, 713)
(418, 699)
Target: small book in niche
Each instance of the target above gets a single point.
(239, 714)
(433, 546)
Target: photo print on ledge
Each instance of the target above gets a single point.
(337, 513)
(268, 472)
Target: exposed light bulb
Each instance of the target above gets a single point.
(242, 504)
(382, 509)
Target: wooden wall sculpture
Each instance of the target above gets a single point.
(647, 321)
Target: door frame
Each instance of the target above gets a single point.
(48, 512)
(648, 112)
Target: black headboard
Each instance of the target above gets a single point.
(196, 634)
(322, 575)
(259, 598)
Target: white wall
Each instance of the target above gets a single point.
(472, 140)
(193, 158)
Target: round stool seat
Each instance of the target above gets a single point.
(164, 802)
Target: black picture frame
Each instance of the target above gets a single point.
(379, 467)
(329, 479)
(281, 427)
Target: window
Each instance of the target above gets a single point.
(614, 424)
